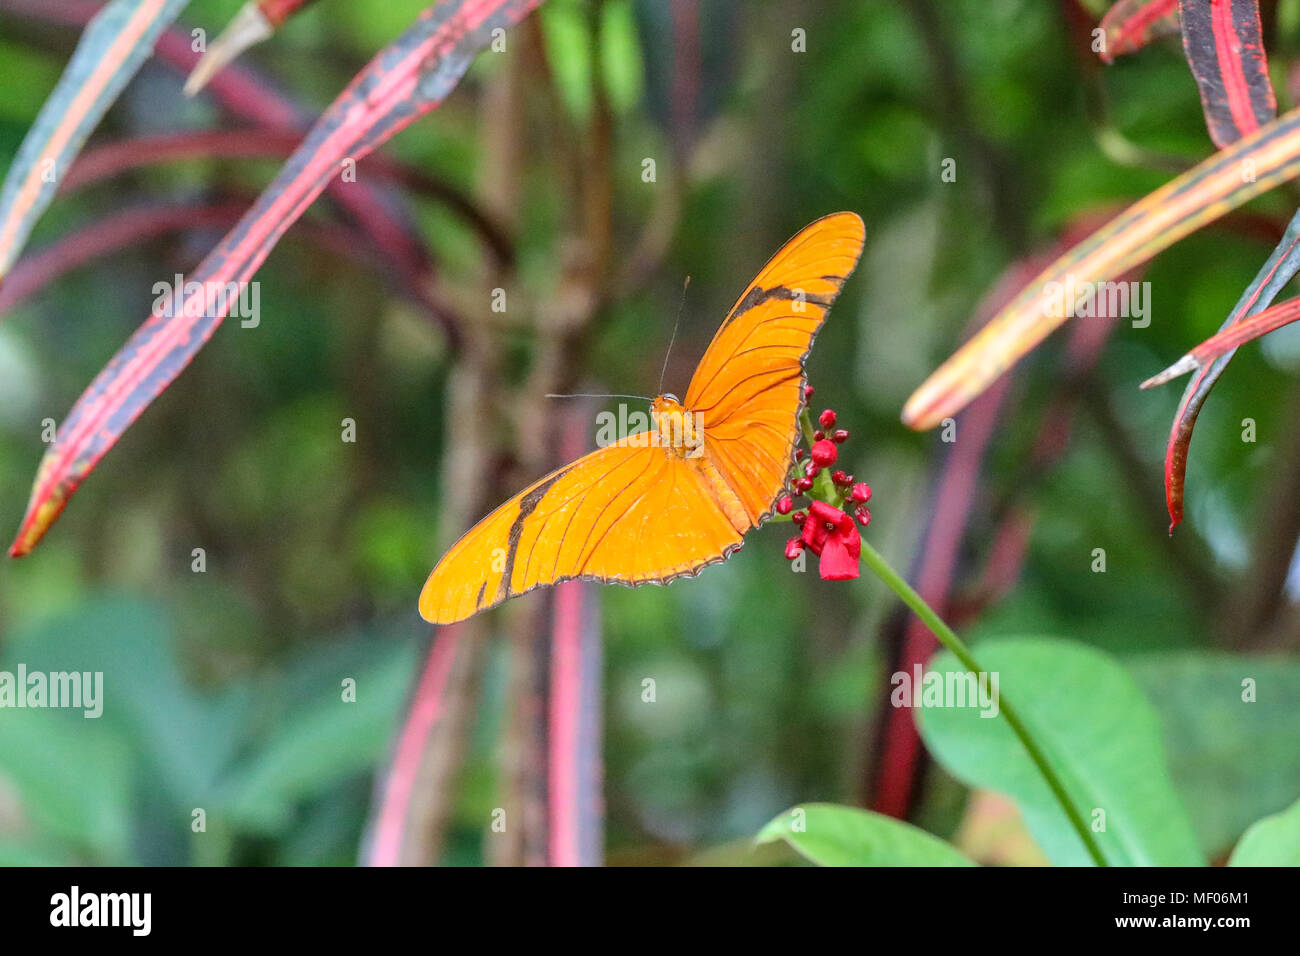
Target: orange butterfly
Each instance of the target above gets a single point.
(665, 503)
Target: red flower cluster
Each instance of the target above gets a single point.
(831, 535)
(827, 530)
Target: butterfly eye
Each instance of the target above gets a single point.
(671, 397)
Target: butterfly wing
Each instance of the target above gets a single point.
(627, 513)
(748, 388)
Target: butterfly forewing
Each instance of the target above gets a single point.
(748, 388)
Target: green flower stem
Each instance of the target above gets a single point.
(823, 488)
(872, 558)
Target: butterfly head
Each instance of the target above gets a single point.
(679, 430)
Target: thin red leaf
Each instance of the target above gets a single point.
(405, 81)
(1281, 266)
(111, 159)
(1231, 338)
(1222, 41)
(249, 96)
(114, 45)
(122, 228)
(1130, 25)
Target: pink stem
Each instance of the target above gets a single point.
(574, 769)
(386, 845)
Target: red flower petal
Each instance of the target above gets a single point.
(837, 562)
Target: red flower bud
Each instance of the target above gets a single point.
(838, 477)
(824, 453)
(799, 517)
(784, 504)
(802, 484)
(811, 469)
(840, 436)
(793, 548)
(818, 435)
(807, 392)
(861, 492)
(798, 454)
(863, 515)
(827, 419)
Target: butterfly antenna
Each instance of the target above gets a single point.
(598, 395)
(664, 371)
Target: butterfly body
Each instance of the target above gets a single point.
(668, 502)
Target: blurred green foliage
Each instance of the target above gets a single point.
(224, 687)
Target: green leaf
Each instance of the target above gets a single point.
(73, 777)
(186, 738)
(567, 38)
(1233, 760)
(1099, 733)
(321, 739)
(620, 56)
(831, 835)
(1273, 841)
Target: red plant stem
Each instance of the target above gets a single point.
(574, 773)
(36, 270)
(385, 847)
(139, 224)
(278, 11)
(111, 159)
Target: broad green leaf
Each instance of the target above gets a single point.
(1229, 725)
(73, 778)
(321, 739)
(1273, 841)
(186, 739)
(1099, 733)
(831, 835)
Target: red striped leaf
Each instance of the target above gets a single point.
(1130, 25)
(1222, 41)
(405, 81)
(1281, 266)
(114, 45)
(1199, 196)
(1230, 339)
(251, 97)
